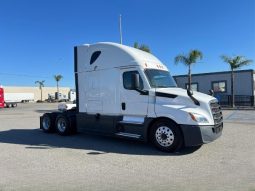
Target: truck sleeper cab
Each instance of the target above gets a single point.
(125, 92)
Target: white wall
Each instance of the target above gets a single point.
(36, 91)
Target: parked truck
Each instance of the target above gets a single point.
(1, 97)
(57, 97)
(125, 92)
(12, 99)
(72, 95)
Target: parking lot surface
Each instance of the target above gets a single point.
(33, 160)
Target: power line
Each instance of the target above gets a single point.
(24, 75)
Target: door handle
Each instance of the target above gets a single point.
(123, 106)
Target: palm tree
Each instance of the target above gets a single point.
(191, 58)
(142, 47)
(41, 84)
(58, 78)
(235, 62)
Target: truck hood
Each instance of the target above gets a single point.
(201, 97)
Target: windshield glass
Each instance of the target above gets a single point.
(160, 78)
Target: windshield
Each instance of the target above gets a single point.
(160, 78)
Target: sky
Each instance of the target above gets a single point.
(37, 36)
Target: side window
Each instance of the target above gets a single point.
(194, 86)
(127, 80)
(219, 86)
(94, 56)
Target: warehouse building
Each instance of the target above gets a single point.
(36, 91)
(220, 83)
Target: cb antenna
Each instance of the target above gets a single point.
(120, 29)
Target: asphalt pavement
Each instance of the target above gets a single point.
(33, 160)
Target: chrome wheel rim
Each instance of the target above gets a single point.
(61, 125)
(164, 136)
(46, 123)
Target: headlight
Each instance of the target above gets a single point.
(198, 118)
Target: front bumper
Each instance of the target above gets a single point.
(197, 135)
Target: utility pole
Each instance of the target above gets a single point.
(120, 30)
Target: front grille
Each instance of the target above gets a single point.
(216, 112)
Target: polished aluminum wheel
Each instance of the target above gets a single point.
(61, 124)
(164, 136)
(46, 122)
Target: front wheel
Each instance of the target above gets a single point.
(166, 136)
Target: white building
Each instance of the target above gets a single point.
(36, 91)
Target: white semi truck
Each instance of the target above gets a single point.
(125, 92)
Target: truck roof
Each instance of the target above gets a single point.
(106, 55)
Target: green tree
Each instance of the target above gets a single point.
(191, 58)
(142, 47)
(41, 85)
(235, 62)
(58, 78)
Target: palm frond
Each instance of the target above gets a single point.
(225, 58)
(145, 48)
(40, 83)
(181, 58)
(58, 77)
(244, 63)
(237, 59)
(195, 55)
(236, 62)
(142, 47)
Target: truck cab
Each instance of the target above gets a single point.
(125, 92)
(1, 97)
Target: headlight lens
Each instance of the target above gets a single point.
(198, 118)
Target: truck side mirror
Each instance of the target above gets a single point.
(135, 81)
(211, 92)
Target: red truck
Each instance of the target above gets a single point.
(1, 97)
(8, 100)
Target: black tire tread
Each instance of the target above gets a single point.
(70, 129)
(52, 120)
(178, 141)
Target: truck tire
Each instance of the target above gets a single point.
(14, 105)
(47, 123)
(63, 125)
(166, 136)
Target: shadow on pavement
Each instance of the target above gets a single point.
(37, 139)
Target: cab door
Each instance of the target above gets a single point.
(134, 104)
